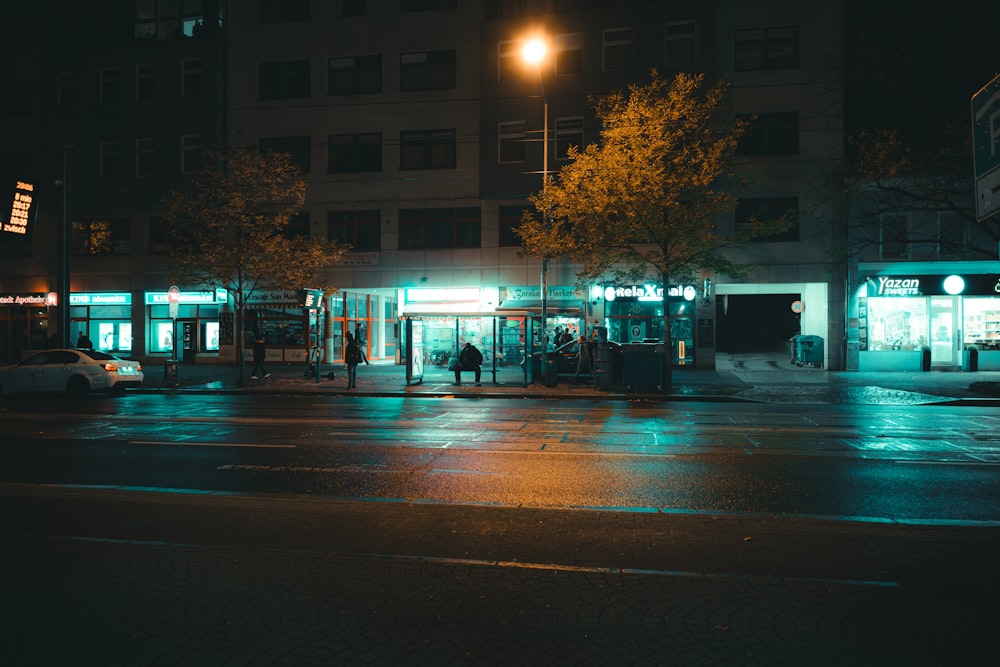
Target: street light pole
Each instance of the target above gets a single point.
(533, 52)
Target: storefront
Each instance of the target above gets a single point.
(25, 323)
(904, 312)
(195, 329)
(105, 318)
(634, 314)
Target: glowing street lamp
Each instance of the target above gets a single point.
(533, 52)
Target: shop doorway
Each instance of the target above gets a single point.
(944, 331)
(756, 322)
(186, 336)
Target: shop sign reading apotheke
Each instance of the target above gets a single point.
(29, 299)
(648, 292)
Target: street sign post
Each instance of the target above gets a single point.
(986, 148)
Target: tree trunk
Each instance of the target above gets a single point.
(668, 360)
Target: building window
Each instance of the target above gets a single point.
(159, 237)
(110, 85)
(680, 43)
(768, 210)
(145, 82)
(359, 229)
(430, 70)
(432, 228)
(191, 147)
(281, 11)
(68, 91)
(102, 237)
(145, 157)
(425, 5)
(510, 220)
(767, 48)
(283, 80)
(427, 149)
(354, 75)
(770, 134)
(192, 77)
(509, 63)
(298, 226)
(568, 132)
(953, 242)
(168, 19)
(354, 8)
(353, 153)
(110, 159)
(299, 148)
(617, 49)
(510, 141)
(569, 53)
(894, 235)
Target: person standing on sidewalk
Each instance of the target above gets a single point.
(583, 361)
(353, 355)
(259, 355)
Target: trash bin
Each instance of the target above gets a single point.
(807, 350)
(551, 372)
(170, 370)
(643, 365)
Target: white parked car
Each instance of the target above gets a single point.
(74, 371)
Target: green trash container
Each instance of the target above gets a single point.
(808, 350)
(642, 365)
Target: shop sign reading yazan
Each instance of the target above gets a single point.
(927, 285)
(648, 292)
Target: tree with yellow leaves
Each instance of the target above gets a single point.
(227, 228)
(643, 203)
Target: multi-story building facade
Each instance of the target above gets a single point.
(420, 134)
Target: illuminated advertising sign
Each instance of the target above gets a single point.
(985, 284)
(648, 292)
(18, 223)
(29, 299)
(101, 299)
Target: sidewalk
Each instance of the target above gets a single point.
(764, 377)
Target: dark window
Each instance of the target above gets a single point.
(430, 228)
(427, 149)
(354, 75)
(284, 80)
(510, 141)
(569, 53)
(510, 219)
(893, 235)
(430, 70)
(145, 157)
(359, 229)
(159, 239)
(355, 8)
(280, 11)
(617, 49)
(69, 91)
(102, 237)
(111, 159)
(298, 226)
(299, 148)
(769, 210)
(110, 85)
(424, 5)
(569, 132)
(192, 77)
(191, 148)
(771, 134)
(145, 82)
(680, 43)
(351, 153)
(767, 48)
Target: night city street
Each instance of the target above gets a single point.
(182, 529)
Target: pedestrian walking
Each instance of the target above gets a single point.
(583, 360)
(259, 355)
(353, 355)
(469, 359)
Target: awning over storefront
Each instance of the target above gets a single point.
(534, 306)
